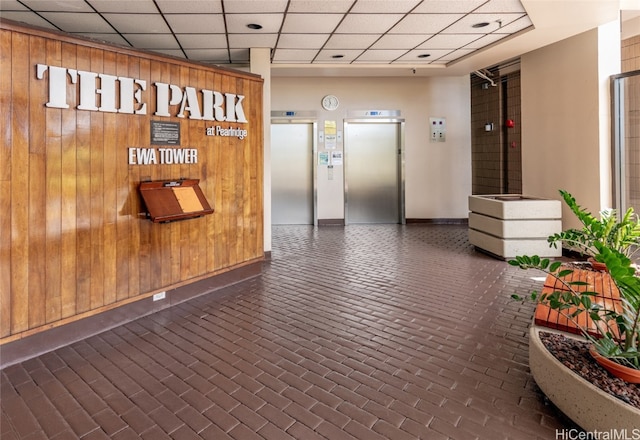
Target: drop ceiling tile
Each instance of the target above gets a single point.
(294, 55)
(171, 52)
(351, 41)
(58, 5)
(307, 26)
(448, 6)
(326, 56)
(240, 55)
(196, 23)
(28, 18)
(152, 41)
(412, 56)
(399, 41)
(138, 23)
(254, 6)
(456, 54)
(385, 56)
(485, 41)
(387, 6)
(333, 6)
(302, 41)
(464, 25)
(502, 6)
(74, 22)
(237, 23)
(449, 41)
(202, 41)
(516, 25)
(310, 23)
(240, 41)
(12, 5)
(190, 7)
(137, 6)
(368, 23)
(425, 23)
(208, 54)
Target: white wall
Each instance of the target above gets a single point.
(437, 175)
(566, 118)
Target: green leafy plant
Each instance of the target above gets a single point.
(617, 330)
(610, 240)
(621, 234)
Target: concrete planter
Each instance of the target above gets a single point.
(587, 405)
(511, 224)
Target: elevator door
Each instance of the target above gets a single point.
(372, 172)
(292, 173)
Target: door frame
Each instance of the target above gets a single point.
(400, 165)
(276, 118)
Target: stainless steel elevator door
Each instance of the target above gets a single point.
(292, 174)
(372, 183)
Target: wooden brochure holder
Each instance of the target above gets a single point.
(173, 200)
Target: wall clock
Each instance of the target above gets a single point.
(330, 102)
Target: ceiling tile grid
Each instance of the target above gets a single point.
(297, 31)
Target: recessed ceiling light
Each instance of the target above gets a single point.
(254, 26)
(337, 56)
(480, 25)
(424, 55)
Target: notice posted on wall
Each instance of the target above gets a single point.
(323, 158)
(165, 133)
(330, 135)
(336, 158)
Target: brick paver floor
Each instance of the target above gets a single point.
(364, 332)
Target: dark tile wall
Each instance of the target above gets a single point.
(496, 154)
(631, 54)
(631, 62)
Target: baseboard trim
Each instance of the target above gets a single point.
(47, 340)
(331, 222)
(439, 221)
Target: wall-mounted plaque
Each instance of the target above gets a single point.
(172, 200)
(165, 133)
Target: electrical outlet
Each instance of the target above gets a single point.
(159, 296)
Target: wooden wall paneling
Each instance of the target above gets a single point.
(97, 193)
(181, 76)
(259, 171)
(53, 196)
(198, 137)
(143, 228)
(69, 199)
(169, 73)
(5, 183)
(240, 147)
(110, 212)
(83, 195)
(68, 195)
(121, 183)
(214, 157)
(20, 70)
(192, 226)
(228, 190)
(254, 233)
(136, 67)
(155, 231)
(37, 184)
